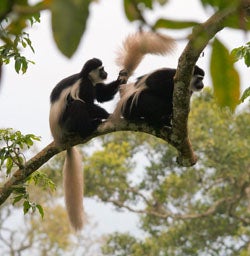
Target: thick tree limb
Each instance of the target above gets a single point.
(199, 39)
(21, 175)
(177, 136)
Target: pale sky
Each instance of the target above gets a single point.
(24, 99)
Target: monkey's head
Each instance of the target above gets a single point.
(94, 70)
(196, 83)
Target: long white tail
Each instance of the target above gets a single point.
(73, 187)
(137, 45)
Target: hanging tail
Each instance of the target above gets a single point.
(73, 187)
(137, 45)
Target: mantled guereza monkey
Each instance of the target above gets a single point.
(150, 98)
(73, 111)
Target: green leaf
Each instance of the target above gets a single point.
(40, 209)
(33, 137)
(18, 64)
(26, 206)
(131, 10)
(245, 94)
(17, 199)
(28, 41)
(9, 165)
(225, 78)
(69, 19)
(174, 24)
(19, 189)
(238, 53)
(147, 3)
(242, 52)
(24, 65)
(5, 6)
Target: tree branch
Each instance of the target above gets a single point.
(164, 214)
(199, 39)
(21, 175)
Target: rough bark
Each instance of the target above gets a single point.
(199, 39)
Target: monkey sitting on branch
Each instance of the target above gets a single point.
(150, 98)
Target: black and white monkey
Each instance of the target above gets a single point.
(73, 109)
(73, 100)
(150, 98)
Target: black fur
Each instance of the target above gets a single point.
(77, 93)
(154, 103)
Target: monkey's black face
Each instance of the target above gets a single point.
(98, 75)
(196, 83)
(197, 79)
(102, 73)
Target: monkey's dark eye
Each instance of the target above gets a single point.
(103, 74)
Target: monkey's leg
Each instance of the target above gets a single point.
(97, 112)
(76, 119)
(153, 110)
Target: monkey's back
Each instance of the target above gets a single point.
(63, 84)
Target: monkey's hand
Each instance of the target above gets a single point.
(123, 76)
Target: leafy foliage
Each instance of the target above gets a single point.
(13, 145)
(242, 52)
(226, 87)
(10, 50)
(12, 33)
(106, 168)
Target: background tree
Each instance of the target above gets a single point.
(203, 210)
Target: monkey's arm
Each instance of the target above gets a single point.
(106, 92)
